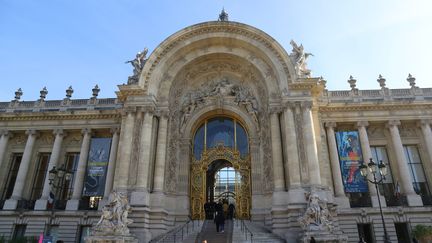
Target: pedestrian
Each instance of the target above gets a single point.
(231, 209)
(220, 221)
(312, 240)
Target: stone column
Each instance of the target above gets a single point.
(182, 206)
(22, 171)
(427, 135)
(278, 171)
(161, 153)
(339, 192)
(292, 162)
(367, 154)
(4, 139)
(112, 161)
(406, 180)
(80, 172)
(125, 151)
(41, 204)
(140, 195)
(310, 144)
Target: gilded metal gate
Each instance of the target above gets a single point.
(198, 180)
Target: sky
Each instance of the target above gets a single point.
(58, 43)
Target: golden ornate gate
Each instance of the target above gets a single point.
(198, 180)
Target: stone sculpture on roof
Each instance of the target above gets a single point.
(138, 64)
(299, 57)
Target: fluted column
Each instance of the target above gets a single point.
(279, 184)
(427, 135)
(125, 150)
(82, 162)
(80, 172)
(367, 153)
(292, 162)
(406, 180)
(161, 153)
(112, 161)
(24, 166)
(11, 204)
(310, 144)
(334, 160)
(145, 151)
(55, 154)
(4, 139)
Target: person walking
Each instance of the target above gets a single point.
(220, 221)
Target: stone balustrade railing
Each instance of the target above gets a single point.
(60, 105)
(412, 94)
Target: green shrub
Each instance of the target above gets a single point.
(421, 231)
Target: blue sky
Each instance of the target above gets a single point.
(83, 43)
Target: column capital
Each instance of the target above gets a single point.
(424, 122)
(330, 124)
(114, 130)
(85, 131)
(162, 113)
(275, 109)
(362, 124)
(6, 133)
(59, 132)
(290, 105)
(393, 123)
(146, 109)
(32, 132)
(307, 105)
(128, 110)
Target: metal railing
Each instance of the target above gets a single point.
(178, 234)
(245, 230)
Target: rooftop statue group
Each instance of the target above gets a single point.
(138, 64)
(299, 57)
(114, 219)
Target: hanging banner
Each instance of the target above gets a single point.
(350, 157)
(97, 165)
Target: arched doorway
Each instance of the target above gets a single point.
(220, 145)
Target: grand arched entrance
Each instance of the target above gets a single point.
(220, 167)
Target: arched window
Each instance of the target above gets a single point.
(224, 131)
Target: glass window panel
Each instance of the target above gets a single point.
(199, 142)
(220, 130)
(242, 140)
(39, 178)
(419, 175)
(11, 176)
(379, 153)
(416, 169)
(84, 232)
(71, 164)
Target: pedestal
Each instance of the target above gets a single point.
(111, 239)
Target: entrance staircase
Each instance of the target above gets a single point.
(236, 231)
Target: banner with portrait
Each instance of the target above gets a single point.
(350, 158)
(97, 165)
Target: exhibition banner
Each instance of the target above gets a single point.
(97, 165)
(350, 158)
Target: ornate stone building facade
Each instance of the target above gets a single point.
(214, 95)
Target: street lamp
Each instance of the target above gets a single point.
(57, 178)
(372, 167)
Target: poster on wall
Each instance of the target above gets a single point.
(97, 165)
(350, 157)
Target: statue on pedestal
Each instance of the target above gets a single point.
(138, 64)
(317, 216)
(299, 57)
(113, 220)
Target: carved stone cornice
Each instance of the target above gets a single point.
(374, 107)
(362, 124)
(129, 90)
(331, 124)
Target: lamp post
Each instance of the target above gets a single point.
(57, 178)
(373, 168)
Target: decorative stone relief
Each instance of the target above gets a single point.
(20, 139)
(317, 216)
(376, 132)
(114, 219)
(408, 131)
(199, 86)
(46, 139)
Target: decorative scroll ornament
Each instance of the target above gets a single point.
(317, 216)
(114, 219)
(138, 64)
(242, 96)
(299, 57)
